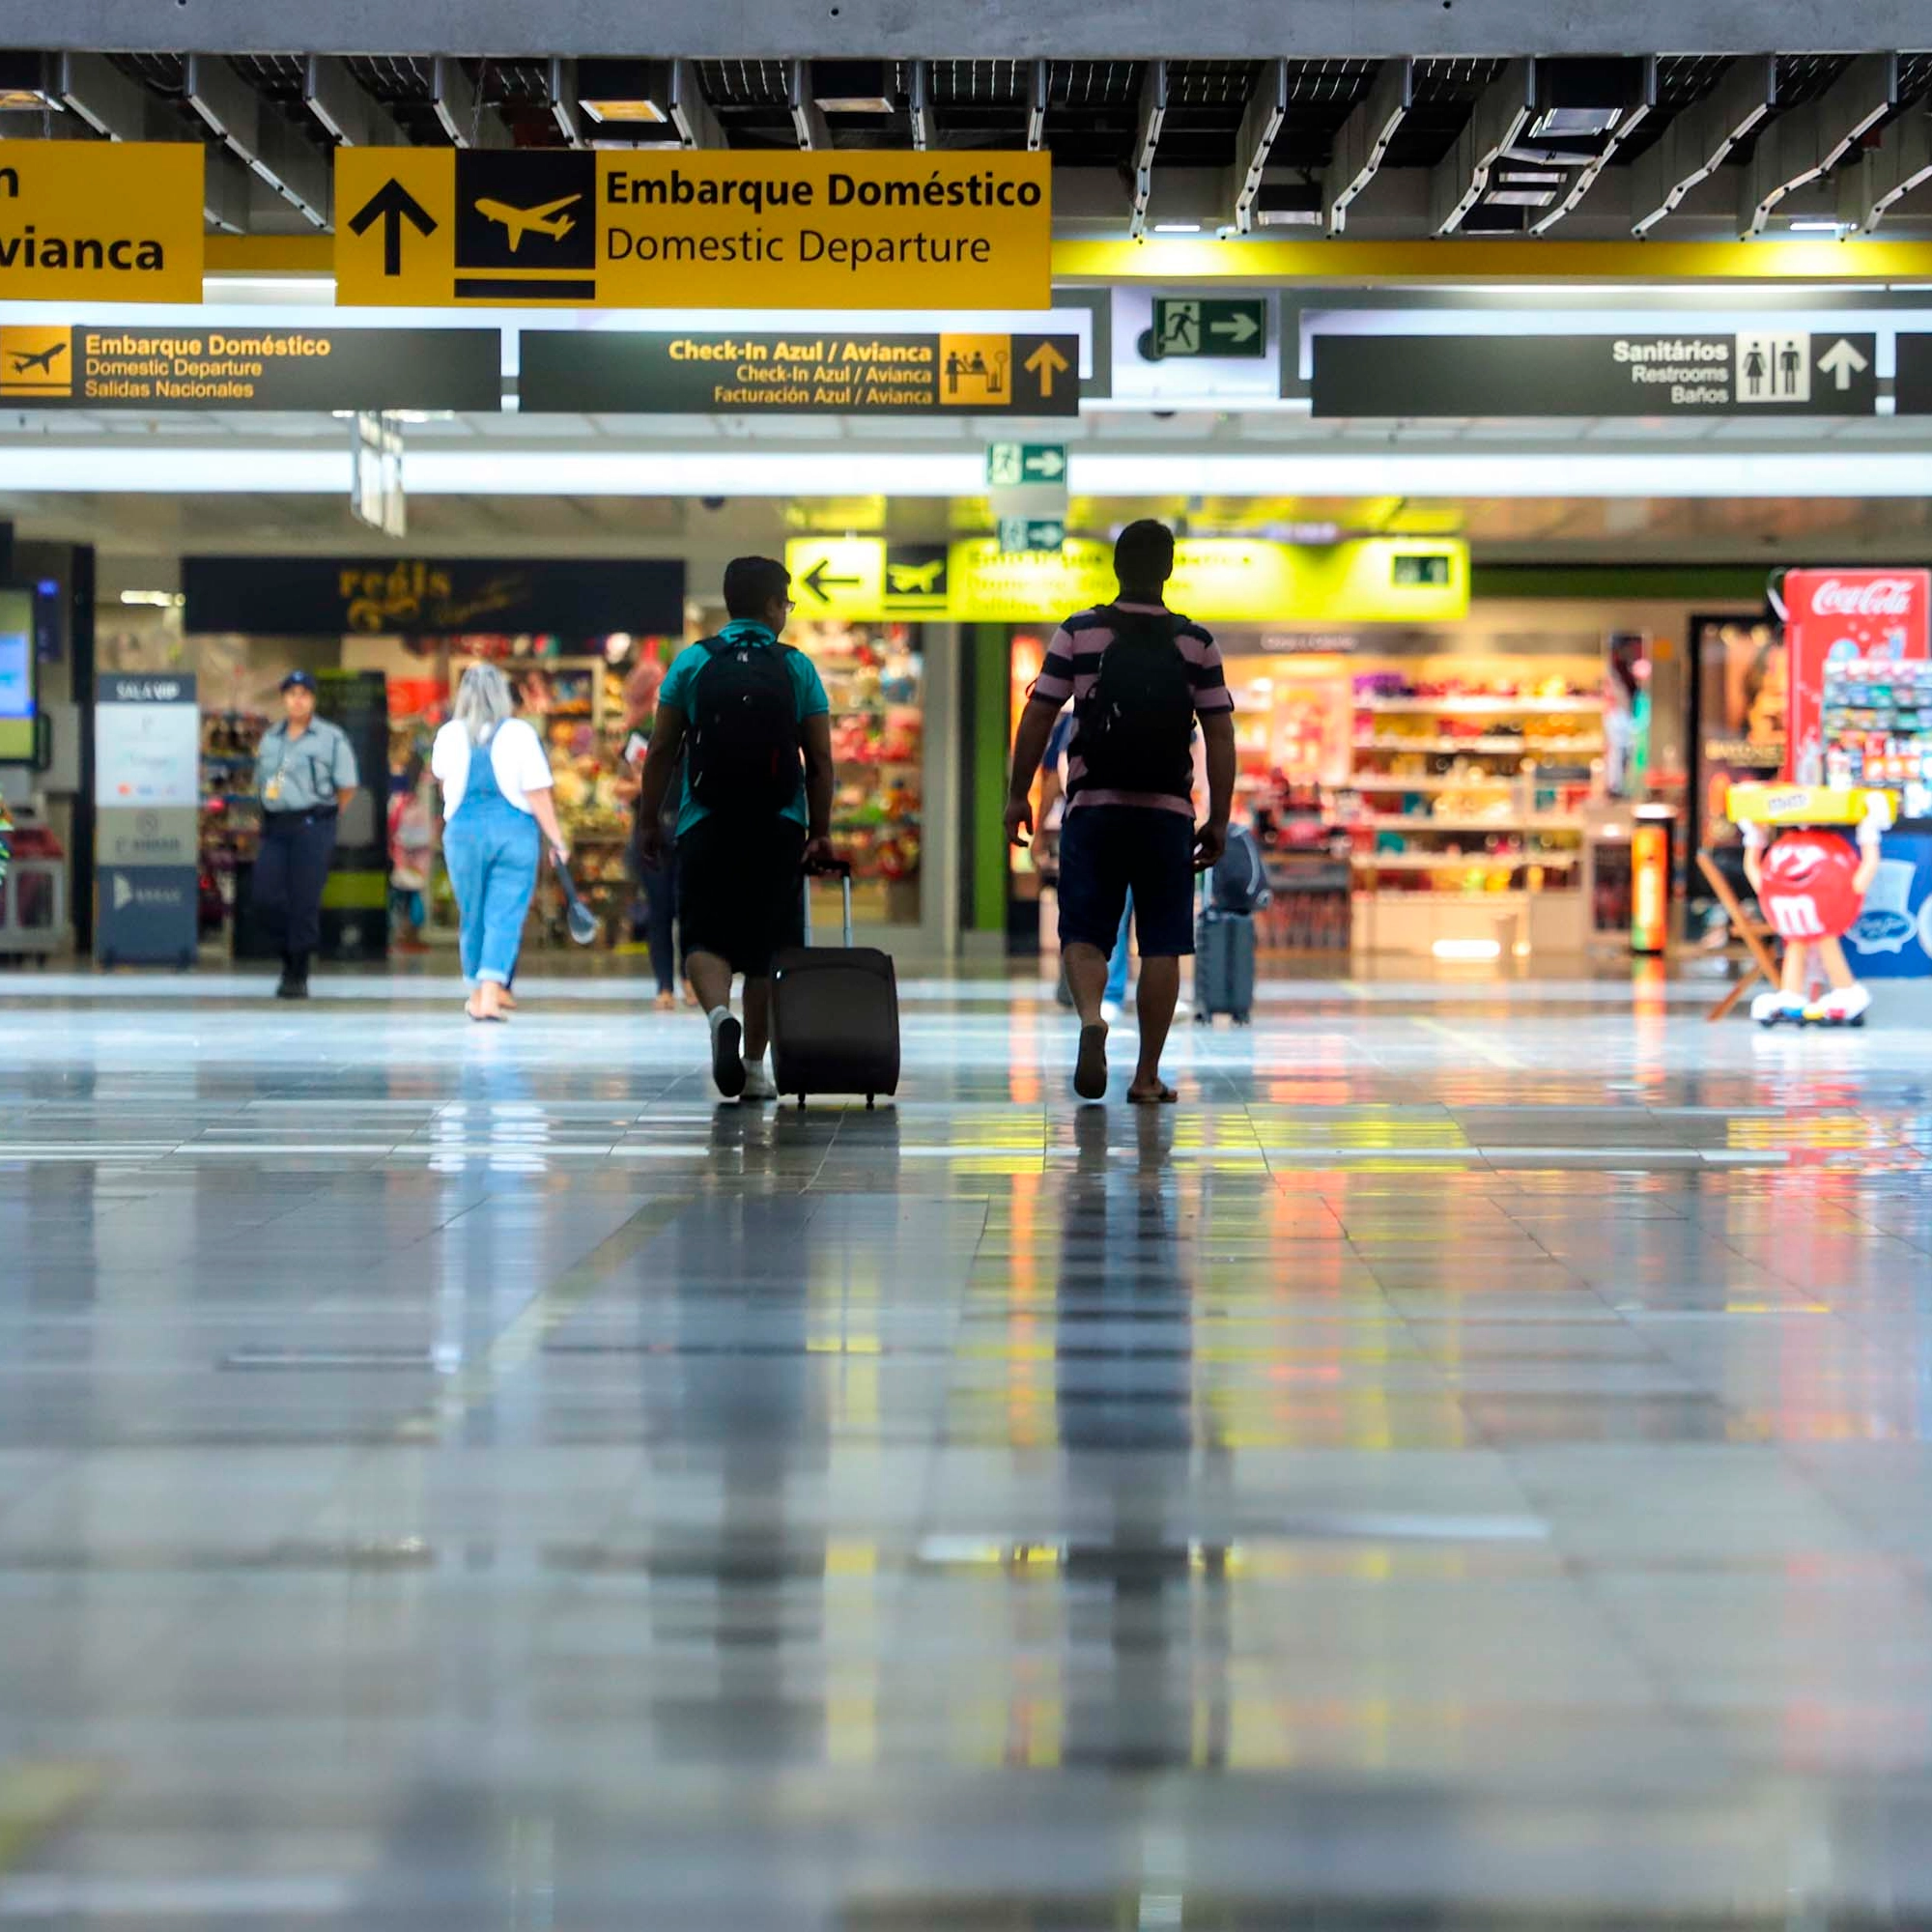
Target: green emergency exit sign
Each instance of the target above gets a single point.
(1194, 326)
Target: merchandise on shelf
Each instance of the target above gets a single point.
(1877, 722)
(874, 681)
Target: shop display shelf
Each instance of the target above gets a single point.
(1473, 706)
(1436, 862)
(1438, 747)
(1400, 821)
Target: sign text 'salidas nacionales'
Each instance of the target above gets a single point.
(757, 196)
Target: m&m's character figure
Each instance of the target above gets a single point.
(1812, 886)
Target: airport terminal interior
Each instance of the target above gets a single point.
(1463, 1463)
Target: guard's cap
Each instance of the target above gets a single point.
(299, 679)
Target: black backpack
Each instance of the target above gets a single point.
(1136, 723)
(743, 741)
(1239, 882)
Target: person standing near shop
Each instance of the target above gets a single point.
(754, 722)
(1139, 676)
(496, 799)
(304, 776)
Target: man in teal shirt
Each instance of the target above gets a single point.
(753, 721)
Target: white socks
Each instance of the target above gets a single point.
(718, 1015)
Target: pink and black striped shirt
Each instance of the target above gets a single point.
(1073, 662)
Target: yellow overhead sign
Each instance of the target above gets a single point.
(836, 577)
(728, 228)
(111, 221)
(1217, 580)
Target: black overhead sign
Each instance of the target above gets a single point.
(1766, 372)
(800, 372)
(94, 365)
(1912, 391)
(379, 596)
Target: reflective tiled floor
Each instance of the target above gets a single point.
(1471, 1457)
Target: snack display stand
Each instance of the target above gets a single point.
(1893, 938)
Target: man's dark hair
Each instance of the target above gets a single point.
(751, 582)
(1143, 555)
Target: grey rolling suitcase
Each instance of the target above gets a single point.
(1224, 967)
(835, 1014)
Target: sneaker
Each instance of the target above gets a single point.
(758, 1083)
(727, 1067)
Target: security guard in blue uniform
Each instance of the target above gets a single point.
(305, 774)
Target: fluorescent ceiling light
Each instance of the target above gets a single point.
(166, 599)
(1576, 121)
(623, 110)
(817, 472)
(1467, 948)
(1176, 228)
(1522, 197)
(1800, 225)
(854, 103)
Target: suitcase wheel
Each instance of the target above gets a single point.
(868, 1103)
(1203, 1017)
(1241, 1019)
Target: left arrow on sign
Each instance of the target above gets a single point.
(392, 203)
(822, 586)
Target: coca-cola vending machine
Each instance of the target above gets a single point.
(1832, 617)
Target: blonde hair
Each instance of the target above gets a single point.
(482, 702)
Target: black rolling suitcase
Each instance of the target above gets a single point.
(1224, 967)
(835, 1014)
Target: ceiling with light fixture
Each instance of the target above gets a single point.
(1590, 146)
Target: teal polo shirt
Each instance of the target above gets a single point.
(675, 691)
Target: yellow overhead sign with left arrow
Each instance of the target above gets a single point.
(100, 220)
(1218, 579)
(682, 228)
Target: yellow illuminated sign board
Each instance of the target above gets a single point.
(111, 220)
(693, 229)
(1217, 580)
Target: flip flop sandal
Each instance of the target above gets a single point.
(1090, 1070)
(1162, 1096)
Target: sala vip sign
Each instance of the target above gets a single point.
(111, 220)
(693, 229)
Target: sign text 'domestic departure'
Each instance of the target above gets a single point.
(690, 228)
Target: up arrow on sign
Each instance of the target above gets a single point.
(1841, 361)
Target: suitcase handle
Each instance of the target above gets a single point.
(844, 868)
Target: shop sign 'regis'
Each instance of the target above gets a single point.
(693, 229)
(114, 220)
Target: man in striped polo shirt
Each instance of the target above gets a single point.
(1139, 676)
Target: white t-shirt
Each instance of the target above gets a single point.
(517, 759)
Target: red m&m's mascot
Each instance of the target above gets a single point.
(1812, 886)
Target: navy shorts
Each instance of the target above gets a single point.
(1106, 851)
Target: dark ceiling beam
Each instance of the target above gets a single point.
(1888, 173)
(690, 112)
(1363, 142)
(1811, 140)
(460, 109)
(1261, 124)
(120, 107)
(918, 106)
(1695, 142)
(1499, 117)
(1146, 141)
(350, 114)
(258, 137)
(808, 118)
(1586, 176)
(564, 108)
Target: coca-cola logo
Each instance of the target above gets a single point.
(1878, 597)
